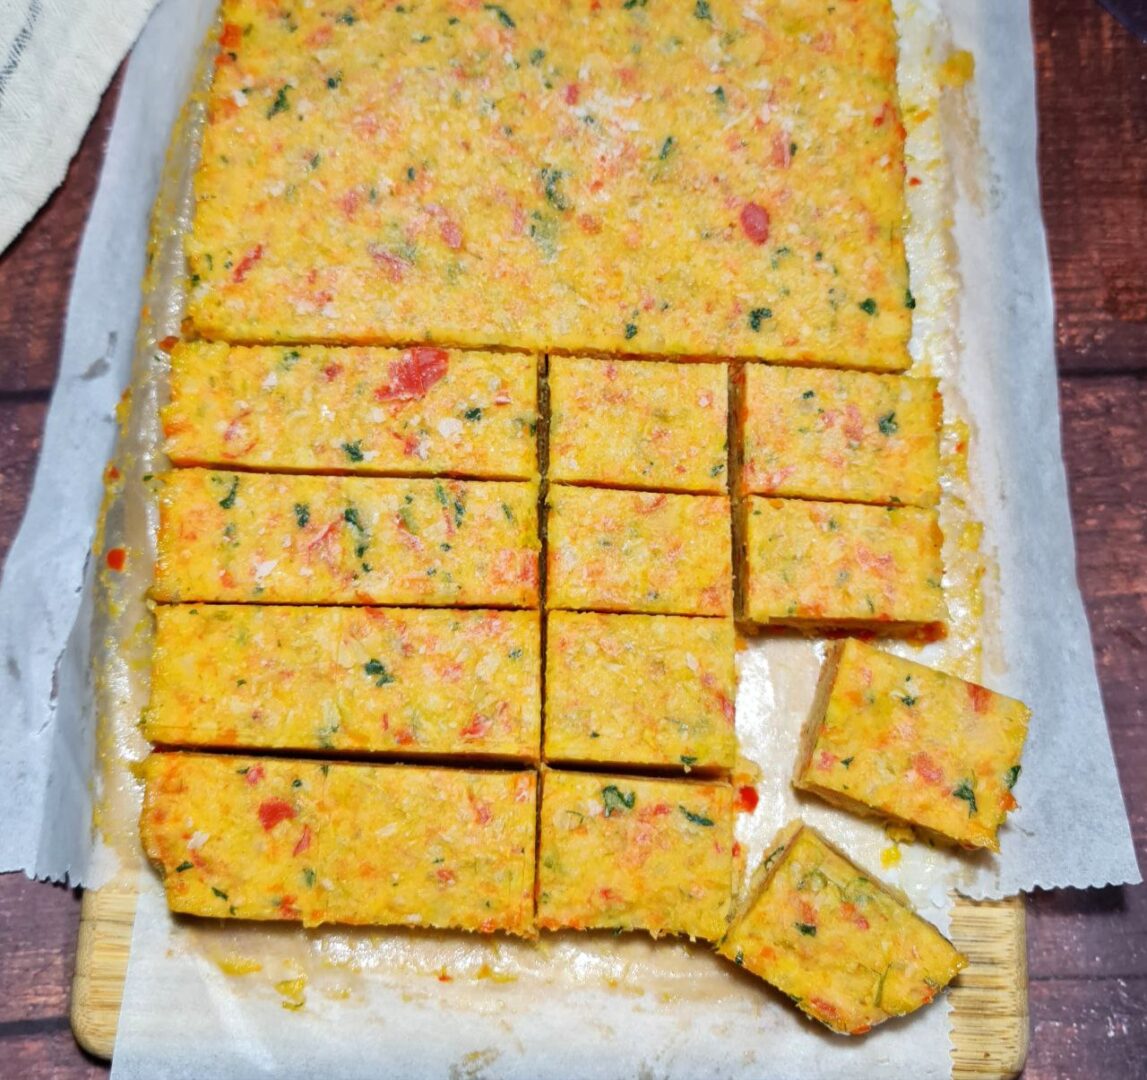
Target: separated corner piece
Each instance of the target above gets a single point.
(814, 433)
(894, 738)
(773, 192)
(629, 853)
(824, 565)
(265, 538)
(640, 690)
(632, 551)
(847, 950)
(654, 425)
(361, 680)
(386, 412)
(373, 845)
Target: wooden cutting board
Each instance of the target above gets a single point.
(989, 1002)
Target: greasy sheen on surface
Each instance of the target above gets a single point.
(812, 433)
(896, 738)
(376, 845)
(366, 680)
(640, 690)
(617, 852)
(266, 538)
(638, 552)
(654, 425)
(829, 564)
(652, 177)
(849, 952)
(420, 411)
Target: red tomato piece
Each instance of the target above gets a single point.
(755, 222)
(415, 372)
(273, 811)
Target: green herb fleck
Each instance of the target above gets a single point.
(302, 515)
(964, 791)
(537, 56)
(377, 671)
(515, 654)
(909, 300)
(717, 469)
(280, 104)
(739, 959)
(808, 394)
(846, 761)
(868, 306)
(806, 928)
(719, 94)
(507, 512)
(702, 11)
(697, 819)
(334, 81)
(219, 892)
(473, 413)
(228, 500)
(666, 148)
(353, 450)
(551, 185)
(184, 866)
(616, 801)
(887, 424)
(347, 18)
(1013, 774)
(440, 493)
(503, 15)
(308, 877)
(758, 315)
(687, 760)
(459, 512)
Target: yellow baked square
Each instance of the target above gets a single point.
(625, 853)
(638, 551)
(266, 538)
(653, 425)
(361, 680)
(853, 436)
(847, 950)
(658, 179)
(650, 690)
(831, 564)
(896, 738)
(420, 411)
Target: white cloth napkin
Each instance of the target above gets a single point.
(56, 59)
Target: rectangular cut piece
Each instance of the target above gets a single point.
(291, 839)
(366, 680)
(847, 950)
(264, 538)
(812, 433)
(623, 853)
(638, 551)
(842, 564)
(422, 411)
(468, 174)
(640, 690)
(895, 738)
(639, 425)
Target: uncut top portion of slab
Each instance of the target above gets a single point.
(695, 177)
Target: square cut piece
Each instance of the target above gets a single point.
(895, 738)
(369, 680)
(638, 552)
(467, 174)
(853, 436)
(847, 950)
(420, 411)
(315, 842)
(825, 564)
(623, 853)
(640, 690)
(265, 538)
(639, 425)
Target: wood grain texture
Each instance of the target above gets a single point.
(1092, 87)
(36, 271)
(1087, 950)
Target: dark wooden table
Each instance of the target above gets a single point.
(1087, 949)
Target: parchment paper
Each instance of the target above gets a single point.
(578, 1006)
